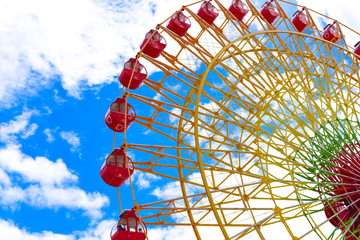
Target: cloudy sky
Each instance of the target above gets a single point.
(58, 67)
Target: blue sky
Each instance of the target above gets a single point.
(58, 67)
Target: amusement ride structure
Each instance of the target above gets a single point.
(254, 116)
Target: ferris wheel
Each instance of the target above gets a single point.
(254, 115)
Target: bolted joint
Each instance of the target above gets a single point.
(277, 210)
(124, 146)
(136, 207)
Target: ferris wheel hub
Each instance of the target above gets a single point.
(335, 152)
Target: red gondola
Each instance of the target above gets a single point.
(138, 72)
(269, 12)
(357, 48)
(299, 20)
(115, 170)
(128, 227)
(208, 12)
(153, 44)
(115, 116)
(238, 9)
(179, 24)
(331, 33)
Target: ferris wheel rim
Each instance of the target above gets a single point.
(198, 96)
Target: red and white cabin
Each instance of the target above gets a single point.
(135, 69)
(128, 227)
(238, 9)
(208, 12)
(115, 116)
(357, 48)
(116, 168)
(179, 24)
(153, 44)
(269, 12)
(300, 20)
(331, 33)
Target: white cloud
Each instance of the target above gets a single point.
(38, 169)
(57, 98)
(4, 178)
(173, 190)
(71, 138)
(47, 110)
(9, 130)
(72, 198)
(143, 180)
(10, 231)
(147, 132)
(100, 232)
(172, 233)
(49, 135)
(175, 120)
(82, 49)
(168, 191)
(51, 184)
(30, 131)
(52, 197)
(11, 195)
